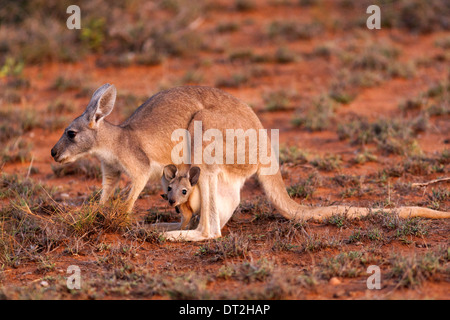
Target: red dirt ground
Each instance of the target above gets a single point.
(309, 77)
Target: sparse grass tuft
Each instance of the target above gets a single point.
(412, 227)
(61, 106)
(14, 123)
(186, 288)
(91, 217)
(232, 246)
(84, 167)
(16, 151)
(63, 83)
(391, 136)
(318, 116)
(414, 270)
(316, 242)
(278, 100)
(235, 81)
(285, 55)
(27, 223)
(293, 30)
(305, 188)
(443, 42)
(226, 27)
(364, 157)
(419, 16)
(347, 264)
(141, 232)
(244, 5)
(292, 155)
(373, 57)
(329, 162)
(156, 215)
(438, 198)
(248, 271)
(324, 50)
(338, 220)
(285, 235)
(261, 209)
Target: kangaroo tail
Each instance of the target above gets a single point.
(275, 190)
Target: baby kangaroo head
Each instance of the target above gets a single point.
(79, 138)
(180, 185)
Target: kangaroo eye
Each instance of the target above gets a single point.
(169, 189)
(184, 191)
(71, 134)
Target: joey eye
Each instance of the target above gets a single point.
(169, 189)
(184, 191)
(71, 134)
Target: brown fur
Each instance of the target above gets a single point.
(182, 191)
(141, 147)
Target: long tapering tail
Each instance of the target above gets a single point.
(276, 192)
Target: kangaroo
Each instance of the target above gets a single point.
(182, 191)
(143, 144)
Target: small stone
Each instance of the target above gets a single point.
(335, 281)
(44, 283)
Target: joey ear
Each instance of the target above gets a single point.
(194, 175)
(170, 172)
(101, 104)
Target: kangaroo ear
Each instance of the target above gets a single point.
(194, 175)
(170, 171)
(101, 104)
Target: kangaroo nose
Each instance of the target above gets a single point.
(53, 152)
(171, 201)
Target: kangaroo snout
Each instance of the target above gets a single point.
(171, 202)
(54, 153)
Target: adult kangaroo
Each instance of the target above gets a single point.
(142, 145)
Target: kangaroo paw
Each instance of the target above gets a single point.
(186, 235)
